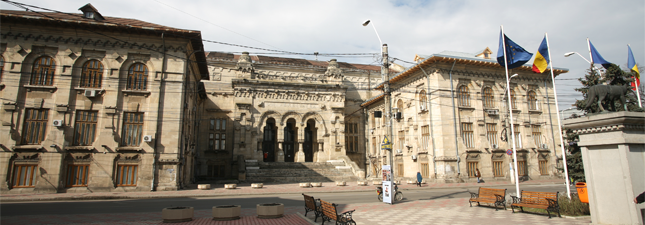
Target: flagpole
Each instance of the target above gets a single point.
(557, 110)
(638, 93)
(510, 112)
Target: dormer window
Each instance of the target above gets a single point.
(90, 12)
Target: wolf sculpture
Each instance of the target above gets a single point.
(610, 93)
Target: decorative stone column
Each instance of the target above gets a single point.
(300, 154)
(613, 154)
(279, 155)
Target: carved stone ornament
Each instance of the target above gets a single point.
(245, 64)
(333, 71)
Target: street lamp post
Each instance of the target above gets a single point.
(592, 66)
(386, 90)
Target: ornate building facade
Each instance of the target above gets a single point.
(450, 117)
(93, 103)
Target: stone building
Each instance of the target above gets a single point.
(272, 109)
(450, 117)
(97, 103)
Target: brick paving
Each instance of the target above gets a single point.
(440, 211)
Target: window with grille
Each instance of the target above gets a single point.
(216, 171)
(464, 96)
(77, 175)
(126, 175)
(219, 136)
(24, 176)
(513, 100)
(467, 134)
(43, 71)
(425, 137)
(536, 132)
(488, 99)
(472, 167)
(399, 170)
(92, 74)
(132, 128)
(498, 167)
(533, 102)
(543, 167)
(401, 143)
(425, 170)
(85, 128)
(137, 77)
(491, 133)
(33, 130)
(522, 168)
(423, 100)
(351, 137)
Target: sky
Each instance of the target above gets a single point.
(407, 27)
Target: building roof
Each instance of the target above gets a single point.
(77, 20)
(223, 56)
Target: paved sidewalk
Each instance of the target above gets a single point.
(443, 211)
(242, 189)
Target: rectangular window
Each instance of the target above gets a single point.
(33, 131)
(219, 126)
(536, 132)
(126, 175)
(399, 170)
(518, 137)
(401, 143)
(212, 124)
(472, 167)
(216, 170)
(132, 128)
(467, 134)
(498, 169)
(351, 137)
(522, 168)
(425, 137)
(425, 170)
(77, 175)
(543, 167)
(24, 176)
(211, 141)
(85, 128)
(491, 133)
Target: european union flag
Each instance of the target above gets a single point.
(516, 56)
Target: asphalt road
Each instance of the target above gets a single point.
(246, 201)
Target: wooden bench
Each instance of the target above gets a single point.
(489, 195)
(312, 204)
(329, 213)
(540, 200)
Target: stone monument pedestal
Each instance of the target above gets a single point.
(613, 154)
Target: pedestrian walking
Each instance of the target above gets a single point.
(478, 175)
(419, 179)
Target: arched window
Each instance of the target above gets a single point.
(137, 77)
(488, 99)
(464, 96)
(92, 74)
(43, 71)
(532, 99)
(513, 100)
(423, 100)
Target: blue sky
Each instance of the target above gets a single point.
(408, 27)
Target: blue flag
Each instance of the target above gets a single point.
(516, 56)
(596, 57)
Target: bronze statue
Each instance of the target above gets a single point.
(611, 93)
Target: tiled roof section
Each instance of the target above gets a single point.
(78, 19)
(289, 61)
(221, 56)
(284, 61)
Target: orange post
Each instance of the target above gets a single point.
(582, 192)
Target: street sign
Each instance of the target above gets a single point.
(509, 152)
(386, 144)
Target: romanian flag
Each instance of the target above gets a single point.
(541, 60)
(631, 63)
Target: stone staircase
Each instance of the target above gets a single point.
(296, 172)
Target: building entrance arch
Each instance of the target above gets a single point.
(269, 141)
